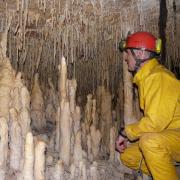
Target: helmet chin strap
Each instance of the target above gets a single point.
(140, 61)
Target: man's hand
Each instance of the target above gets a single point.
(121, 143)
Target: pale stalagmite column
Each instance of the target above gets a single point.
(65, 133)
(25, 119)
(6, 84)
(128, 96)
(57, 138)
(72, 86)
(94, 172)
(73, 171)
(37, 106)
(59, 171)
(39, 165)
(63, 79)
(28, 166)
(82, 171)
(16, 146)
(3, 147)
(76, 119)
(15, 93)
(95, 119)
(95, 141)
(78, 152)
(65, 121)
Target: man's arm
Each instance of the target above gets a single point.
(160, 101)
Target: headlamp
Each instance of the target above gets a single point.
(122, 45)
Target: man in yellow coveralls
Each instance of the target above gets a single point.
(157, 133)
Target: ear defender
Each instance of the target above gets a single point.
(158, 46)
(122, 45)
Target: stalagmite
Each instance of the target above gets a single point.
(57, 138)
(84, 172)
(78, 152)
(65, 132)
(37, 107)
(94, 172)
(16, 147)
(72, 86)
(3, 147)
(63, 79)
(39, 163)
(76, 119)
(59, 171)
(95, 141)
(25, 119)
(94, 113)
(73, 171)
(6, 85)
(112, 143)
(15, 93)
(28, 166)
(128, 96)
(65, 116)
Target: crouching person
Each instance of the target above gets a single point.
(157, 133)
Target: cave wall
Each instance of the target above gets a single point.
(86, 33)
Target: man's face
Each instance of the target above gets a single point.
(128, 57)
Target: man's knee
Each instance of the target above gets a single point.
(151, 140)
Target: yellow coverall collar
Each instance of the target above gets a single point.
(145, 70)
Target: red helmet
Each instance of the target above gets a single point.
(141, 40)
